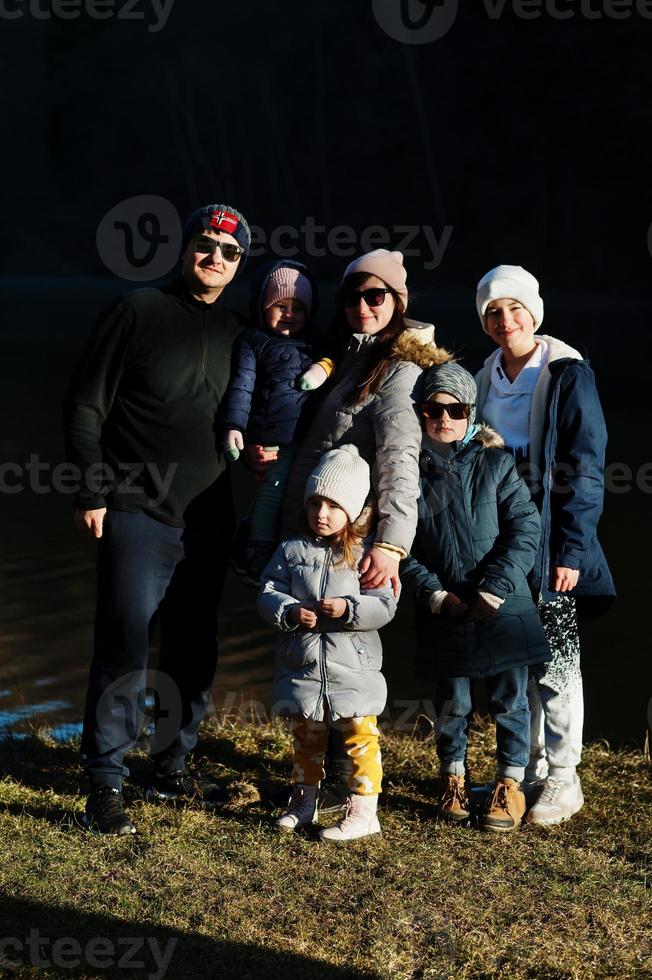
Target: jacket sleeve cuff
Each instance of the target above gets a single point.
(284, 623)
(492, 600)
(570, 560)
(90, 503)
(391, 550)
(436, 599)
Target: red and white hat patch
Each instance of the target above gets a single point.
(224, 221)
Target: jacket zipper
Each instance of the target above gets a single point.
(204, 349)
(322, 655)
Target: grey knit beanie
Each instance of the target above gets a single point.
(342, 475)
(451, 379)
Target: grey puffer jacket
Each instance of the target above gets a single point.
(337, 664)
(385, 428)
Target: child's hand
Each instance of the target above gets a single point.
(333, 608)
(233, 444)
(313, 378)
(303, 615)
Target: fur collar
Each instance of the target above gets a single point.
(425, 353)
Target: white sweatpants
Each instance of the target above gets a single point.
(556, 697)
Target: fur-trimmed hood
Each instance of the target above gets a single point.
(417, 344)
(488, 437)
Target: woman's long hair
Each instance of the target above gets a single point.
(381, 349)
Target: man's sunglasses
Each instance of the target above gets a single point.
(230, 252)
(456, 410)
(372, 297)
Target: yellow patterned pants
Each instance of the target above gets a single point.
(360, 738)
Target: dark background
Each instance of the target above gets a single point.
(528, 138)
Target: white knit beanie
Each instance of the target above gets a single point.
(341, 475)
(509, 282)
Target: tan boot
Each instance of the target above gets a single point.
(453, 804)
(505, 807)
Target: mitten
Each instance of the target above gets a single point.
(484, 607)
(452, 607)
(233, 444)
(313, 378)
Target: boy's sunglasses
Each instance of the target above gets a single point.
(230, 252)
(435, 410)
(372, 297)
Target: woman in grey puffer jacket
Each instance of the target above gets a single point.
(328, 657)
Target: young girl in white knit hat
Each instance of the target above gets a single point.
(329, 655)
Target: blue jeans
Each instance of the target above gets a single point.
(508, 706)
(145, 568)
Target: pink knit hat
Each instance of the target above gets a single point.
(387, 266)
(288, 283)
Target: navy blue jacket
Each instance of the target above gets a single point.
(263, 400)
(572, 496)
(567, 479)
(478, 530)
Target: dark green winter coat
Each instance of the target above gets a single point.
(478, 530)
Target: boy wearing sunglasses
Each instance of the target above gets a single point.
(476, 540)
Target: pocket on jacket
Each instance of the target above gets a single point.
(366, 656)
(296, 652)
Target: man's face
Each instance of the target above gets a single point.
(210, 272)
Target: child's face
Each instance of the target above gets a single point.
(363, 318)
(325, 517)
(286, 317)
(444, 428)
(510, 326)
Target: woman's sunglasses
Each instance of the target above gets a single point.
(456, 410)
(372, 297)
(230, 252)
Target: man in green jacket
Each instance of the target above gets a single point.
(140, 427)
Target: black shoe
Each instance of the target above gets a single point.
(183, 787)
(333, 797)
(105, 812)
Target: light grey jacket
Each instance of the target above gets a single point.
(385, 428)
(337, 664)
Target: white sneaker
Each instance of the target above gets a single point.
(360, 820)
(533, 788)
(302, 809)
(558, 801)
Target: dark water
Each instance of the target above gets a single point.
(47, 569)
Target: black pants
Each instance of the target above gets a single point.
(145, 567)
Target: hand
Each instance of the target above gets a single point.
(565, 578)
(333, 608)
(377, 570)
(313, 378)
(90, 521)
(233, 444)
(480, 610)
(303, 615)
(453, 608)
(260, 458)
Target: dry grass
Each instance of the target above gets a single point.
(427, 900)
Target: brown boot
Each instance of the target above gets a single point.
(453, 801)
(505, 807)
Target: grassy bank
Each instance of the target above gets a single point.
(196, 894)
